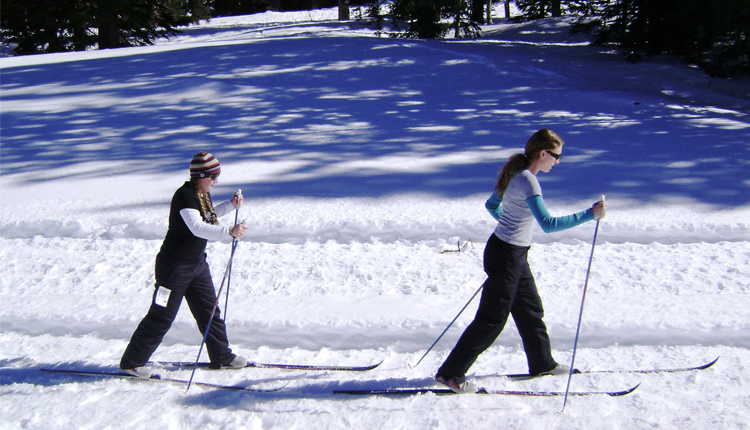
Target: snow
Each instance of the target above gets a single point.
(362, 158)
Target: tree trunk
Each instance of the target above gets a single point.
(107, 23)
(477, 10)
(456, 22)
(78, 27)
(488, 19)
(343, 10)
(556, 8)
(507, 8)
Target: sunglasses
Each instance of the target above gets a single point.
(555, 156)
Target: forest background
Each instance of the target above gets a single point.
(712, 35)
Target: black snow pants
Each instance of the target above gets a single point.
(509, 290)
(191, 280)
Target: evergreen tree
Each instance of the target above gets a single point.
(433, 19)
(37, 26)
(141, 22)
(713, 35)
(374, 15)
(240, 7)
(537, 9)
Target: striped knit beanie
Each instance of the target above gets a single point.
(204, 165)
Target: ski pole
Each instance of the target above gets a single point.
(213, 311)
(229, 279)
(580, 314)
(446, 329)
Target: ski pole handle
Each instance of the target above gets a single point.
(237, 194)
(235, 238)
(604, 209)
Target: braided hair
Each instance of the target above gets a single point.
(207, 208)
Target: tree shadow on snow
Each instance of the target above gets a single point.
(26, 371)
(368, 117)
(313, 390)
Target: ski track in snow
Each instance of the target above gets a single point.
(350, 268)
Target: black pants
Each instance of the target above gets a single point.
(509, 290)
(192, 281)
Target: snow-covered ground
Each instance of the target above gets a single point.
(362, 158)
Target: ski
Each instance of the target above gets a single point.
(447, 391)
(526, 376)
(159, 378)
(207, 365)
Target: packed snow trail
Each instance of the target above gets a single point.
(362, 159)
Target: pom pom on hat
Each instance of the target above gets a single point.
(203, 165)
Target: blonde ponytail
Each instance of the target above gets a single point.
(515, 164)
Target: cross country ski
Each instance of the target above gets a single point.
(480, 390)
(250, 364)
(526, 376)
(159, 378)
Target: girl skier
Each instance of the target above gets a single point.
(181, 270)
(510, 288)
